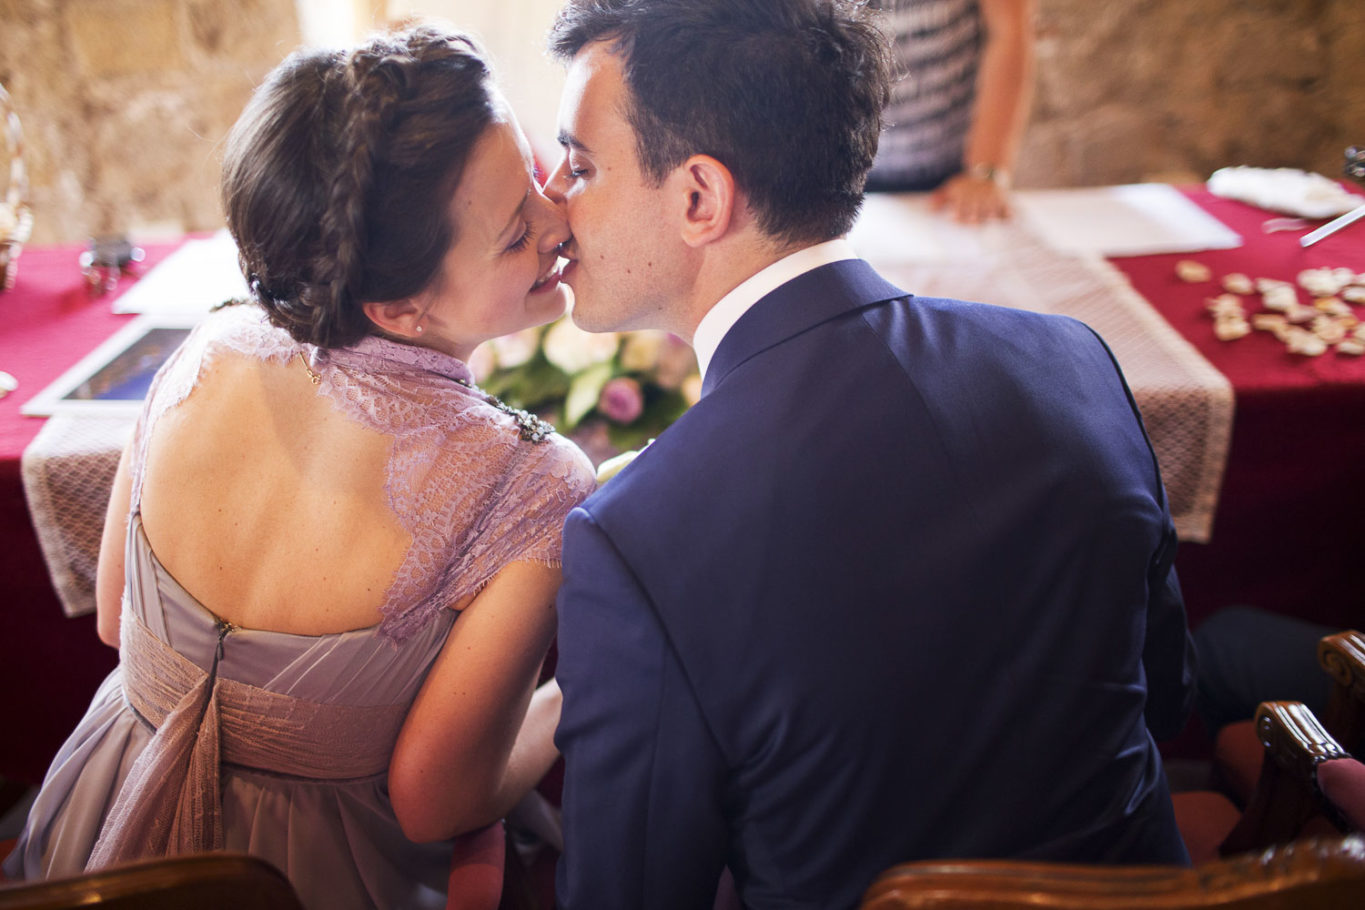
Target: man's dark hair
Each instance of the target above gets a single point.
(787, 94)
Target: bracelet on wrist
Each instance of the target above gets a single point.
(990, 173)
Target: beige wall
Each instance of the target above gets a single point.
(1136, 89)
(124, 102)
(513, 32)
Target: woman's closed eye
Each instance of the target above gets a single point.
(523, 241)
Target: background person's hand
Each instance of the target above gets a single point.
(972, 199)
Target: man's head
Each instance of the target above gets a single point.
(783, 97)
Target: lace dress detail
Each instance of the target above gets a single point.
(473, 495)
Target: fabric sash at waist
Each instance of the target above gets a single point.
(170, 802)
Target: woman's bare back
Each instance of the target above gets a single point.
(268, 504)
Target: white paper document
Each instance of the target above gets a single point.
(902, 228)
(199, 275)
(1132, 220)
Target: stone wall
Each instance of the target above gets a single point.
(125, 102)
(1130, 90)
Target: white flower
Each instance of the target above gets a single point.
(573, 350)
(515, 349)
(482, 363)
(613, 466)
(676, 363)
(691, 389)
(640, 353)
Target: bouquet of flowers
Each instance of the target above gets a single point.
(610, 391)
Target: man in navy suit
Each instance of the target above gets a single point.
(900, 585)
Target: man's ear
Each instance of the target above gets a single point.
(709, 190)
(399, 318)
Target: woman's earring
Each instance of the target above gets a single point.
(419, 328)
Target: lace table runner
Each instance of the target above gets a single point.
(68, 469)
(1186, 403)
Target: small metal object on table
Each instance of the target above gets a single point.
(107, 259)
(1355, 167)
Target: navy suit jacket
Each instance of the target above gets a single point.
(899, 586)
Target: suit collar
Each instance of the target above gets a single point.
(805, 301)
(718, 321)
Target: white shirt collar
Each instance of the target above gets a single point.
(721, 318)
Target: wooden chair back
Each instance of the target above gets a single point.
(210, 881)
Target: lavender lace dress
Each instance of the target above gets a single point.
(211, 736)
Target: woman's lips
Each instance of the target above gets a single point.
(547, 282)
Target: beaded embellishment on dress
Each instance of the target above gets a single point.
(532, 428)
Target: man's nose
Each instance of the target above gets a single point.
(554, 184)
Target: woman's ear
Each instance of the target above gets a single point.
(399, 318)
(709, 191)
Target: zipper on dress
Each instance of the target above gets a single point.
(224, 627)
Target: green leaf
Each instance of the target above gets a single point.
(584, 390)
(535, 383)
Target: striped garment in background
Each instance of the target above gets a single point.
(938, 48)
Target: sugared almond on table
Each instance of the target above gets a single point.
(1282, 297)
(1237, 283)
(1329, 330)
(1300, 314)
(1302, 341)
(1325, 282)
(1353, 346)
(1332, 306)
(1225, 305)
(1231, 328)
(1191, 271)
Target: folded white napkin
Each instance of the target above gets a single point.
(1284, 189)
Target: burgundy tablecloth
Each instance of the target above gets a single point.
(1290, 528)
(49, 665)
(1288, 533)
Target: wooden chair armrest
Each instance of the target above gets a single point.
(1286, 793)
(1306, 875)
(1342, 656)
(1294, 738)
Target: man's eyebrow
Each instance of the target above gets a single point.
(570, 141)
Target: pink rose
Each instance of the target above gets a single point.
(621, 400)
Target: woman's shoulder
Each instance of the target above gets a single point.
(558, 458)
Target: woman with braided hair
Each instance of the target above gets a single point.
(330, 560)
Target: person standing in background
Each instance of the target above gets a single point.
(961, 101)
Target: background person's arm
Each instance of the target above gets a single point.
(1004, 92)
